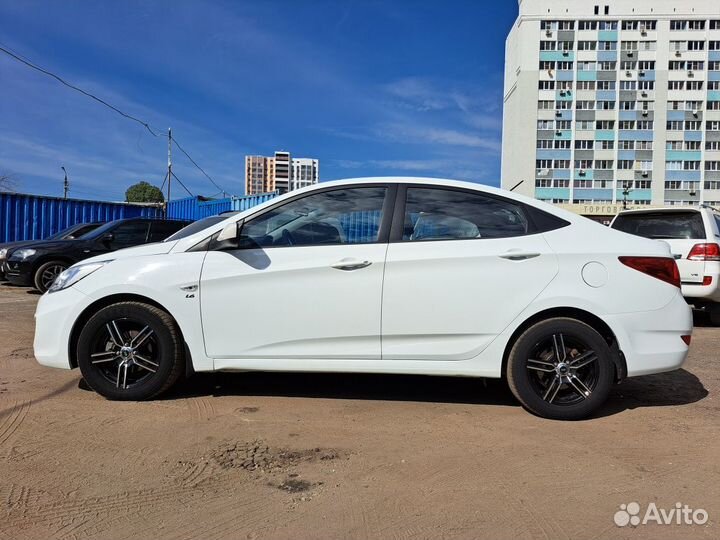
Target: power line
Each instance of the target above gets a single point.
(183, 185)
(73, 87)
(198, 166)
(112, 107)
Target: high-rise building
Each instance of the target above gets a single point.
(613, 100)
(280, 172)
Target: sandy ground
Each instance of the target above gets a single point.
(330, 456)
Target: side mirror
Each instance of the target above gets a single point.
(229, 237)
(108, 238)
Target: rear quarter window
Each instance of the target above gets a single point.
(667, 225)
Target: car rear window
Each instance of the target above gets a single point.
(667, 225)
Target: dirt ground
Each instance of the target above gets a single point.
(344, 456)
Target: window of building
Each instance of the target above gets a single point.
(674, 145)
(674, 125)
(715, 24)
(605, 124)
(625, 164)
(562, 145)
(545, 105)
(587, 25)
(542, 164)
(646, 65)
(627, 124)
(587, 45)
(678, 25)
(676, 65)
(645, 124)
(644, 145)
(563, 124)
(693, 105)
(713, 105)
(565, 45)
(584, 125)
(647, 45)
(692, 145)
(584, 145)
(693, 125)
(629, 46)
(563, 105)
(691, 165)
(567, 25)
(607, 45)
(645, 165)
(586, 66)
(627, 145)
(627, 105)
(695, 45)
(606, 85)
(714, 66)
(604, 164)
(712, 146)
(548, 45)
(545, 124)
(676, 85)
(694, 85)
(628, 65)
(696, 25)
(712, 185)
(583, 163)
(546, 85)
(565, 66)
(606, 145)
(628, 85)
(607, 25)
(607, 66)
(712, 165)
(695, 65)
(588, 85)
(714, 45)
(713, 85)
(673, 165)
(712, 125)
(546, 65)
(584, 105)
(605, 105)
(642, 184)
(544, 144)
(676, 46)
(548, 25)
(543, 182)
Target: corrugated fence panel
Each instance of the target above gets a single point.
(240, 204)
(194, 208)
(33, 217)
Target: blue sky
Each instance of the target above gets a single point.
(370, 88)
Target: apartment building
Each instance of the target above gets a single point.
(613, 102)
(279, 172)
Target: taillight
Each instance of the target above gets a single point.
(686, 339)
(662, 268)
(704, 252)
(707, 280)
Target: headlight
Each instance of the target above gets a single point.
(22, 254)
(74, 274)
(3, 253)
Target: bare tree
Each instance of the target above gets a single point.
(7, 182)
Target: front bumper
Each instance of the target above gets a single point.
(19, 272)
(651, 340)
(55, 316)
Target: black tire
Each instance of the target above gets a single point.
(46, 274)
(561, 369)
(714, 314)
(130, 375)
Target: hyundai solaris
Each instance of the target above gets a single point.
(378, 275)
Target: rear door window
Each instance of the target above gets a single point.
(662, 225)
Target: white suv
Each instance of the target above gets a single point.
(693, 234)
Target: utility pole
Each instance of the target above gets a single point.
(169, 173)
(66, 184)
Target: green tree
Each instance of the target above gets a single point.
(144, 192)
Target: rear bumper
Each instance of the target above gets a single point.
(651, 340)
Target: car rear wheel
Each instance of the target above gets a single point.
(130, 351)
(46, 274)
(561, 369)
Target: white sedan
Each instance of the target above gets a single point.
(378, 275)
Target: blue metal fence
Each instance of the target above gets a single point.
(197, 208)
(34, 217)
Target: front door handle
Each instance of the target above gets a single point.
(350, 264)
(518, 256)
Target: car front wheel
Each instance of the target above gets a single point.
(46, 274)
(561, 369)
(130, 351)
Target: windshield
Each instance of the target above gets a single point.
(102, 229)
(197, 226)
(662, 225)
(76, 231)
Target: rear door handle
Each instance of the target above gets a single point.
(350, 264)
(517, 256)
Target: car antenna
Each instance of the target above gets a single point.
(516, 185)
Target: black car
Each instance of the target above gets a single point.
(71, 233)
(40, 263)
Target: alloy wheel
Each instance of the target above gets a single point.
(125, 352)
(49, 274)
(563, 370)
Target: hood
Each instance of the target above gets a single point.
(158, 248)
(16, 244)
(42, 244)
